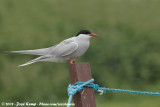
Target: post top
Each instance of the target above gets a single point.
(80, 72)
(82, 63)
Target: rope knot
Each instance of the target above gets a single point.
(77, 87)
(96, 86)
(73, 89)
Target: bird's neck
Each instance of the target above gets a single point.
(84, 38)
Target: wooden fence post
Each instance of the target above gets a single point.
(81, 72)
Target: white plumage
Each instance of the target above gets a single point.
(69, 49)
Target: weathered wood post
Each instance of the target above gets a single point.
(81, 72)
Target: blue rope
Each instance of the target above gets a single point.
(78, 87)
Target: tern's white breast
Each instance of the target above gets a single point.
(82, 48)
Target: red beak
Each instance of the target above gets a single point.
(93, 35)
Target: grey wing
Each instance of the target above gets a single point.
(65, 48)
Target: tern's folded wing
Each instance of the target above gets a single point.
(64, 48)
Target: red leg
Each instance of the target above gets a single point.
(74, 62)
(69, 61)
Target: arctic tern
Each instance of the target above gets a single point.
(67, 50)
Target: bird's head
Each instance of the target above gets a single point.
(85, 34)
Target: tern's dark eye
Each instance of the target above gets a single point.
(84, 32)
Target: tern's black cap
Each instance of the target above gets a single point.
(84, 32)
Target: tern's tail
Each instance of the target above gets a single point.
(34, 60)
(33, 52)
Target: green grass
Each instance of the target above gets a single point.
(143, 102)
(126, 55)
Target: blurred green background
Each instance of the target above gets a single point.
(126, 55)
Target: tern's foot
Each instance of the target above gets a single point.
(69, 61)
(74, 62)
